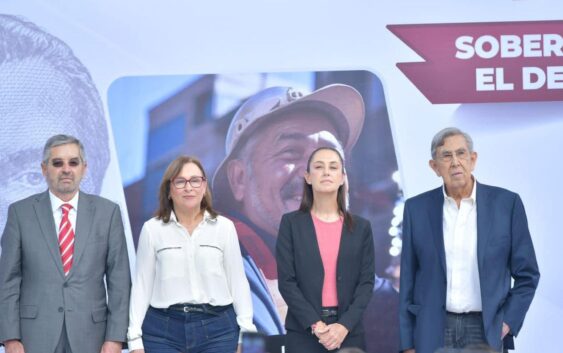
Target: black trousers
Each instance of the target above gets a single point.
(306, 342)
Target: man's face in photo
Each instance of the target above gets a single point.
(270, 182)
(35, 104)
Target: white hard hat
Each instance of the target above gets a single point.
(341, 104)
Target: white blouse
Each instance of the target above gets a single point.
(175, 267)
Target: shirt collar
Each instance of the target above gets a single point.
(472, 197)
(56, 203)
(206, 218)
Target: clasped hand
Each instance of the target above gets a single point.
(330, 336)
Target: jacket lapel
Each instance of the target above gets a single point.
(343, 248)
(312, 243)
(84, 223)
(484, 221)
(44, 215)
(435, 214)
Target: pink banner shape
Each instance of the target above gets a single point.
(485, 62)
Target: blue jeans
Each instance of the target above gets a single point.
(170, 331)
(464, 330)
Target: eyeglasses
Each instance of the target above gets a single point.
(58, 163)
(195, 182)
(448, 156)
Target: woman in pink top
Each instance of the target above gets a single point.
(325, 262)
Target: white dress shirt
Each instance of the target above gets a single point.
(56, 204)
(174, 267)
(460, 243)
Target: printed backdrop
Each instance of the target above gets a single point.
(113, 72)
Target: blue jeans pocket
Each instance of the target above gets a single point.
(222, 327)
(155, 326)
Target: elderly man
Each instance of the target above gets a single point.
(58, 248)
(462, 244)
(268, 143)
(44, 90)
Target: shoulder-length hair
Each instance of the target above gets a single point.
(308, 197)
(166, 206)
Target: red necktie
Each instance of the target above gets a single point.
(66, 239)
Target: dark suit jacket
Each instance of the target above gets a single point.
(504, 250)
(301, 272)
(35, 295)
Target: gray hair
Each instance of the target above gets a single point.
(59, 140)
(443, 134)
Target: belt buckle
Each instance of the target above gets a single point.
(188, 309)
(193, 309)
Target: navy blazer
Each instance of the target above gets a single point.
(504, 250)
(301, 272)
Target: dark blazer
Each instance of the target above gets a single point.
(301, 272)
(36, 298)
(504, 250)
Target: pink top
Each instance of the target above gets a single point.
(328, 237)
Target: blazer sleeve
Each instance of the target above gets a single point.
(287, 277)
(364, 288)
(407, 278)
(10, 278)
(523, 268)
(118, 280)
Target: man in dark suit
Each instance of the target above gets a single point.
(58, 247)
(462, 245)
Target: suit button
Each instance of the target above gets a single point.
(65, 285)
(61, 309)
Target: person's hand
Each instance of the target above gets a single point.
(111, 347)
(14, 346)
(239, 349)
(320, 328)
(410, 350)
(505, 330)
(334, 335)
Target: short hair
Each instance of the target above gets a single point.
(166, 206)
(23, 41)
(440, 138)
(59, 140)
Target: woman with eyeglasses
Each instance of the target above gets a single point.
(190, 292)
(325, 261)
